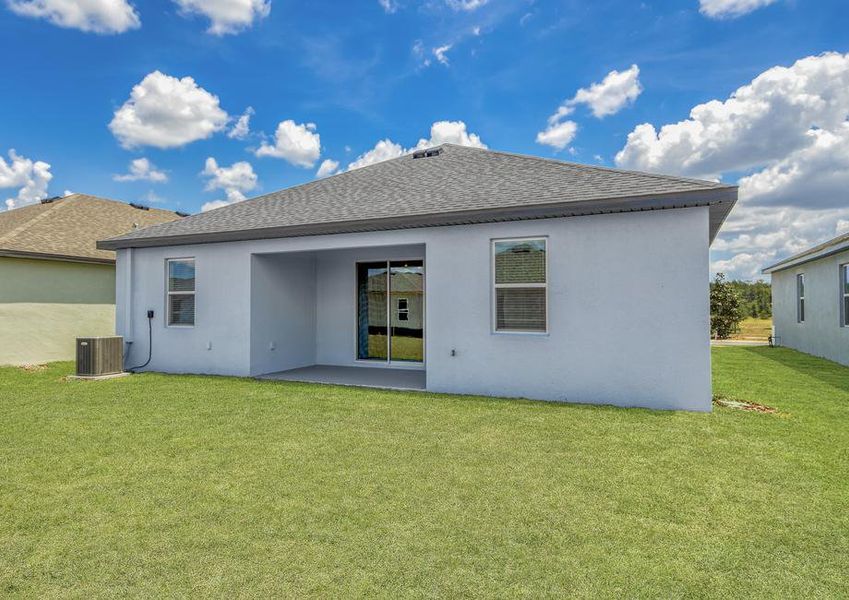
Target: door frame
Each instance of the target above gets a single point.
(410, 364)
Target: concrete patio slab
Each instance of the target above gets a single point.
(376, 377)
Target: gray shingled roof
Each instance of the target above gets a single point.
(459, 185)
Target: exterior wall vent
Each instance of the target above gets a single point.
(98, 356)
(427, 153)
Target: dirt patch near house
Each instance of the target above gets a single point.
(743, 405)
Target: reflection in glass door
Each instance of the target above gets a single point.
(372, 296)
(406, 310)
(390, 311)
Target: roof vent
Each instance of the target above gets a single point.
(49, 200)
(181, 214)
(427, 153)
(139, 206)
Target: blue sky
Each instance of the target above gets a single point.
(359, 72)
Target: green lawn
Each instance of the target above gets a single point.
(159, 485)
(754, 329)
(403, 348)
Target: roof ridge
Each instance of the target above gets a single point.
(558, 161)
(83, 196)
(27, 224)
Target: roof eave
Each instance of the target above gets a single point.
(721, 200)
(9, 253)
(798, 260)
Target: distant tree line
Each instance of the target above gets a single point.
(755, 298)
(733, 301)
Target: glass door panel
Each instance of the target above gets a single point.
(390, 311)
(372, 298)
(406, 310)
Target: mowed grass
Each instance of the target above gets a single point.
(754, 329)
(157, 485)
(403, 348)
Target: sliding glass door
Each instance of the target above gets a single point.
(390, 311)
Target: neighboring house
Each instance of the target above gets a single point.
(522, 277)
(54, 282)
(810, 300)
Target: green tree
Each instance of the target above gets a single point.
(755, 298)
(725, 312)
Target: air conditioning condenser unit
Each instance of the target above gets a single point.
(98, 356)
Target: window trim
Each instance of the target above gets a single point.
(800, 298)
(169, 293)
(494, 287)
(403, 311)
(844, 294)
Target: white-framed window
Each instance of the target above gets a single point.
(180, 286)
(844, 295)
(403, 309)
(800, 298)
(520, 285)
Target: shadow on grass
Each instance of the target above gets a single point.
(823, 370)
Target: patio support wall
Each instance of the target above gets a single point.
(283, 312)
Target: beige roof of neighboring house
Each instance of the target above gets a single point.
(69, 227)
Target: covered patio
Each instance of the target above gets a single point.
(347, 316)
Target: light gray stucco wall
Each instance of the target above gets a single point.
(821, 334)
(628, 313)
(283, 312)
(219, 343)
(628, 308)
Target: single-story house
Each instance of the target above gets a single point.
(54, 282)
(810, 300)
(454, 269)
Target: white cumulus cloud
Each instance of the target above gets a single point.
(227, 16)
(617, 90)
(755, 236)
(729, 9)
(441, 53)
(29, 176)
(558, 134)
(234, 181)
(141, 169)
(441, 132)
(242, 127)
(760, 123)
(450, 132)
(296, 143)
(816, 175)
(787, 131)
(95, 16)
(167, 112)
(383, 150)
(327, 167)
